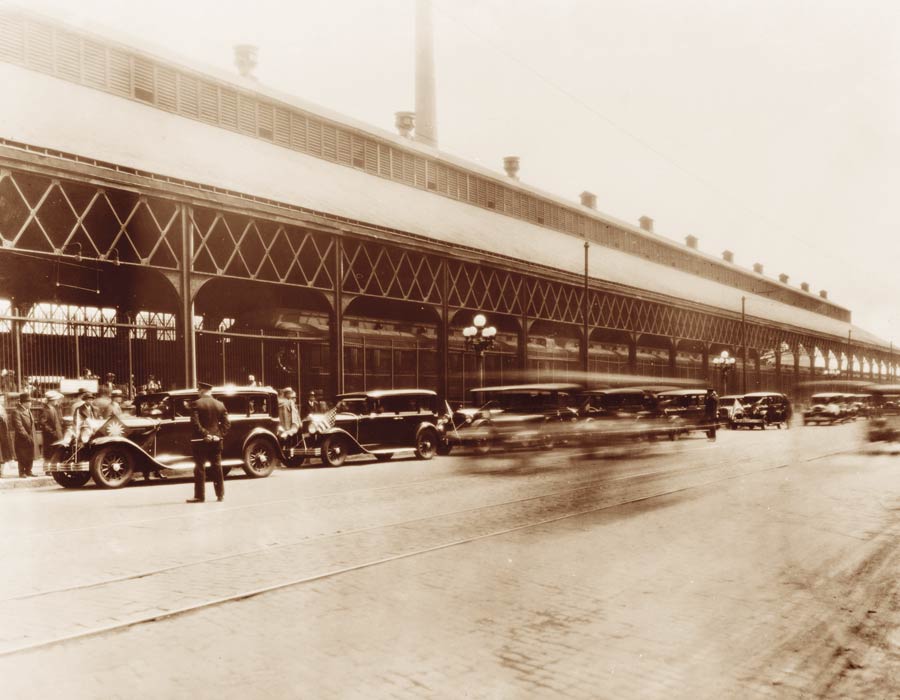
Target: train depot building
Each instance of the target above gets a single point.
(157, 219)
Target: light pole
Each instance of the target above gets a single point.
(724, 363)
(479, 337)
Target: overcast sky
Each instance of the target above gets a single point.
(767, 127)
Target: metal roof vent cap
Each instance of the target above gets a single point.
(588, 199)
(691, 242)
(511, 166)
(728, 256)
(758, 268)
(783, 278)
(823, 293)
(245, 58)
(804, 286)
(646, 223)
(405, 123)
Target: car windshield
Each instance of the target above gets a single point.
(153, 406)
(524, 402)
(355, 405)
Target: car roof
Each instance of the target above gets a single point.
(884, 389)
(620, 390)
(765, 393)
(827, 395)
(530, 387)
(381, 393)
(228, 390)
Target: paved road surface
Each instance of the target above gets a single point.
(762, 565)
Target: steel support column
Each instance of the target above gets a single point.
(187, 302)
(444, 338)
(337, 330)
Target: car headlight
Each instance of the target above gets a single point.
(311, 428)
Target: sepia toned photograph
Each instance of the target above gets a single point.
(464, 349)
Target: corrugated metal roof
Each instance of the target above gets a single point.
(59, 115)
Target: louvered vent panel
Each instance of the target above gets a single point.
(298, 132)
(39, 41)
(68, 56)
(345, 146)
(431, 174)
(265, 117)
(94, 64)
(12, 39)
(247, 115)
(314, 137)
(143, 80)
(359, 152)
(509, 200)
(209, 103)
(119, 72)
(329, 142)
(442, 178)
(482, 193)
(409, 168)
(371, 156)
(384, 160)
(166, 88)
(282, 127)
(420, 172)
(188, 104)
(228, 116)
(396, 164)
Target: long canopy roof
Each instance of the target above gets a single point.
(59, 115)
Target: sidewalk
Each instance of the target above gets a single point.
(10, 477)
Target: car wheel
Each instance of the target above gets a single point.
(112, 467)
(384, 456)
(71, 480)
(334, 451)
(260, 457)
(426, 443)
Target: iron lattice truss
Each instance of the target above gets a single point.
(63, 217)
(235, 245)
(48, 215)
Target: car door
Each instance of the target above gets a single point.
(173, 439)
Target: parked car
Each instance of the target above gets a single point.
(685, 411)
(884, 416)
(731, 406)
(377, 423)
(158, 436)
(522, 415)
(827, 408)
(762, 408)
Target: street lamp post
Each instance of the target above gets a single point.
(479, 337)
(724, 363)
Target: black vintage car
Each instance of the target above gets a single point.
(685, 411)
(611, 416)
(761, 409)
(158, 436)
(522, 415)
(376, 423)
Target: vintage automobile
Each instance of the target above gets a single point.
(730, 406)
(827, 408)
(158, 436)
(615, 416)
(521, 415)
(685, 412)
(377, 423)
(760, 409)
(884, 413)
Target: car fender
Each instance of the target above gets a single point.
(98, 443)
(427, 424)
(355, 447)
(264, 433)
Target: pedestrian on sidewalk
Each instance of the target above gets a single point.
(23, 431)
(7, 453)
(51, 423)
(209, 423)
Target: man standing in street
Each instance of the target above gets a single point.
(288, 413)
(209, 421)
(51, 423)
(23, 431)
(711, 413)
(311, 405)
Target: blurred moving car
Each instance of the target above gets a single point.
(522, 415)
(158, 436)
(378, 423)
(685, 412)
(828, 408)
(884, 419)
(616, 416)
(760, 409)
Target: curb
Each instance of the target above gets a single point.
(12, 481)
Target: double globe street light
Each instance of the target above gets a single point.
(724, 363)
(479, 337)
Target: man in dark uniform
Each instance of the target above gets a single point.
(209, 421)
(23, 431)
(711, 413)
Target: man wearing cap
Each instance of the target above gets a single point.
(209, 421)
(117, 396)
(51, 423)
(23, 434)
(311, 405)
(288, 413)
(81, 412)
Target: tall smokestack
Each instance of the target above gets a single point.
(426, 109)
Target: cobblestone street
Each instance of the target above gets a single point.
(759, 565)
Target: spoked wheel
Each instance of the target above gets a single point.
(112, 467)
(426, 443)
(334, 451)
(260, 458)
(71, 480)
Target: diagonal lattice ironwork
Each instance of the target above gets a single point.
(554, 301)
(240, 246)
(476, 286)
(375, 269)
(50, 215)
